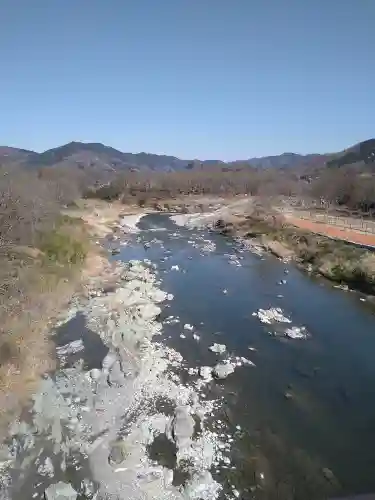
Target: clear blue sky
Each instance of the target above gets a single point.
(223, 79)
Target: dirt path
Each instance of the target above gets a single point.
(333, 231)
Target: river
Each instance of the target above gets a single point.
(307, 410)
(295, 420)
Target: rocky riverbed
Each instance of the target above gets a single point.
(194, 368)
(125, 426)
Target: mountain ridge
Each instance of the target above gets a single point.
(97, 157)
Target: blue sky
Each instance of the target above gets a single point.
(225, 79)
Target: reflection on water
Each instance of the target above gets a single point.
(306, 413)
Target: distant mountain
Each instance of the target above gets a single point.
(10, 155)
(101, 161)
(361, 152)
(98, 157)
(288, 160)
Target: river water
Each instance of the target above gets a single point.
(304, 416)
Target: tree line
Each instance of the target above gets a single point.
(350, 186)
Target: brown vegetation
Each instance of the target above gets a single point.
(352, 186)
(41, 251)
(335, 259)
(150, 187)
(43, 241)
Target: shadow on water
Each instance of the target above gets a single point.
(307, 411)
(94, 350)
(28, 475)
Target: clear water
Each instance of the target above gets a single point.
(307, 411)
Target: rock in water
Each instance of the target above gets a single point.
(182, 427)
(205, 372)
(60, 491)
(202, 485)
(218, 348)
(222, 370)
(95, 374)
(296, 332)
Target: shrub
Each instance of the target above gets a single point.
(60, 246)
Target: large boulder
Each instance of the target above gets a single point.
(182, 427)
(60, 491)
(218, 348)
(222, 370)
(116, 377)
(202, 485)
(206, 372)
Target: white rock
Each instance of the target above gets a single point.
(47, 468)
(129, 223)
(296, 332)
(182, 427)
(168, 477)
(192, 371)
(60, 491)
(196, 337)
(188, 327)
(71, 348)
(202, 485)
(116, 377)
(246, 361)
(205, 372)
(218, 348)
(222, 370)
(109, 360)
(175, 268)
(272, 315)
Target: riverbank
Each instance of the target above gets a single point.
(265, 229)
(129, 414)
(49, 274)
(336, 260)
(114, 417)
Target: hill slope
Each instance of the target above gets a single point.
(361, 152)
(14, 155)
(100, 160)
(98, 156)
(288, 160)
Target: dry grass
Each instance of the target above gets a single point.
(337, 260)
(37, 284)
(24, 344)
(99, 216)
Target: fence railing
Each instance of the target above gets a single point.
(346, 222)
